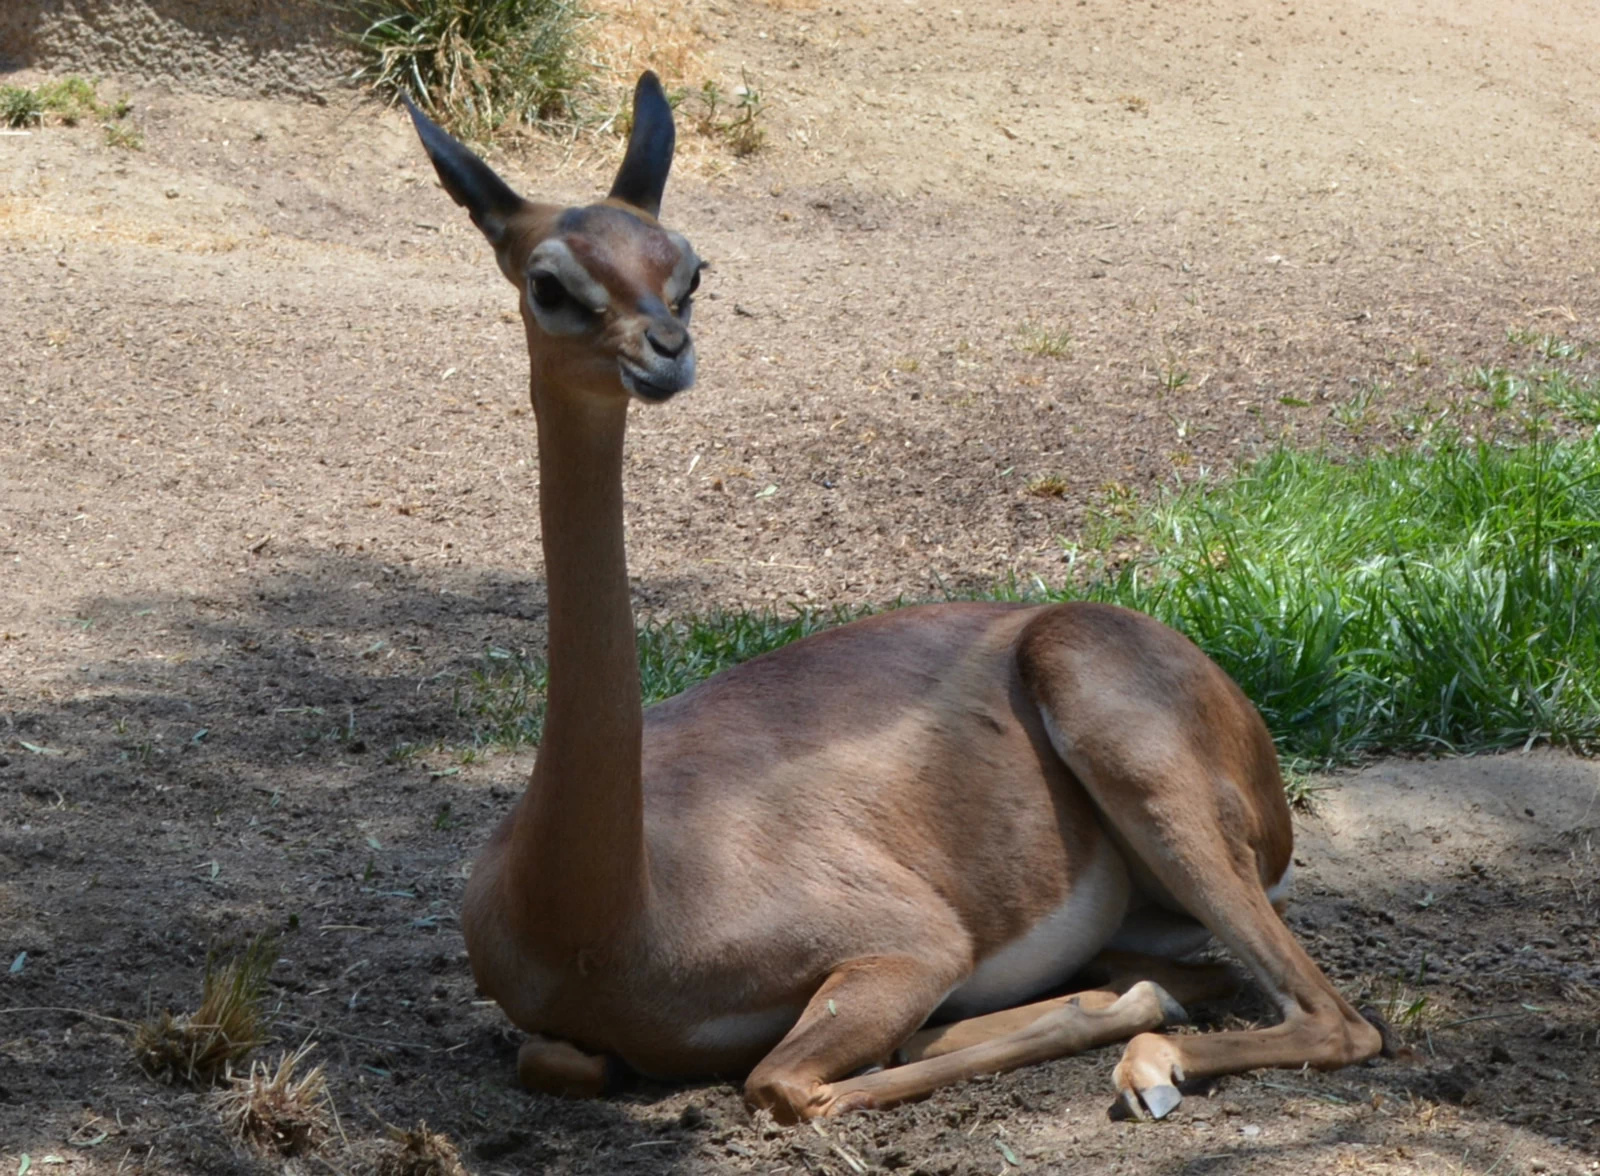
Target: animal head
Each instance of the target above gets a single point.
(606, 292)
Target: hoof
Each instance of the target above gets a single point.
(1160, 1101)
(1391, 1044)
(1155, 1102)
(1172, 1013)
(848, 1104)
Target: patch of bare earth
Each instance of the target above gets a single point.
(266, 493)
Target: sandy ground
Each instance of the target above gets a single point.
(266, 494)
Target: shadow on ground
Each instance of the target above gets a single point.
(219, 768)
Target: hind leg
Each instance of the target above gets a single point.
(1319, 1027)
(1184, 772)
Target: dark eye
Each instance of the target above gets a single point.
(694, 284)
(548, 292)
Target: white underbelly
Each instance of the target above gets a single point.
(741, 1032)
(1055, 947)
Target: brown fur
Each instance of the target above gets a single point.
(786, 870)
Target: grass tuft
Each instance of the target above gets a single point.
(275, 1111)
(20, 106)
(1045, 342)
(476, 66)
(197, 1048)
(72, 100)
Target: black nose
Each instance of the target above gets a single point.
(668, 338)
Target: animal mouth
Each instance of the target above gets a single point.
(647, 389)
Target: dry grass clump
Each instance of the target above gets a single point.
(417, 1152)
(476, 65)
(1049, 486)
(272, 1109)
(198, 1047)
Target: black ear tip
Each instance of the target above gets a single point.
(650, 90)
(426, 128)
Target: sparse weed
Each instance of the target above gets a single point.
(1301, 788)
(1549, 346)
(1044, 341)
(1358, 412)
(123, 136)
(504, 699)
(403, 753)
(1110, 518)
(738, 126)
(1174, 378)
(1401, 1000)
(198, 1047)
(1576, 399)
(1502, 388)
(476, 65)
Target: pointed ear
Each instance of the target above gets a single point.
(471, 182)
(643, 175)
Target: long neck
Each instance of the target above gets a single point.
(579, 832)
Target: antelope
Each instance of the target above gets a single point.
(843, 869)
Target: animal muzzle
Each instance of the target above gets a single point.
(663, 376)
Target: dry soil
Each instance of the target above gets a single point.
(267, 489)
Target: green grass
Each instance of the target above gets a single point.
(20, 106)
(477, 66)
(1443, 598)
(70, 101)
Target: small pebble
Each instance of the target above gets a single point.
(1250, 1131)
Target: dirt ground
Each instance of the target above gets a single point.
(267, 494)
